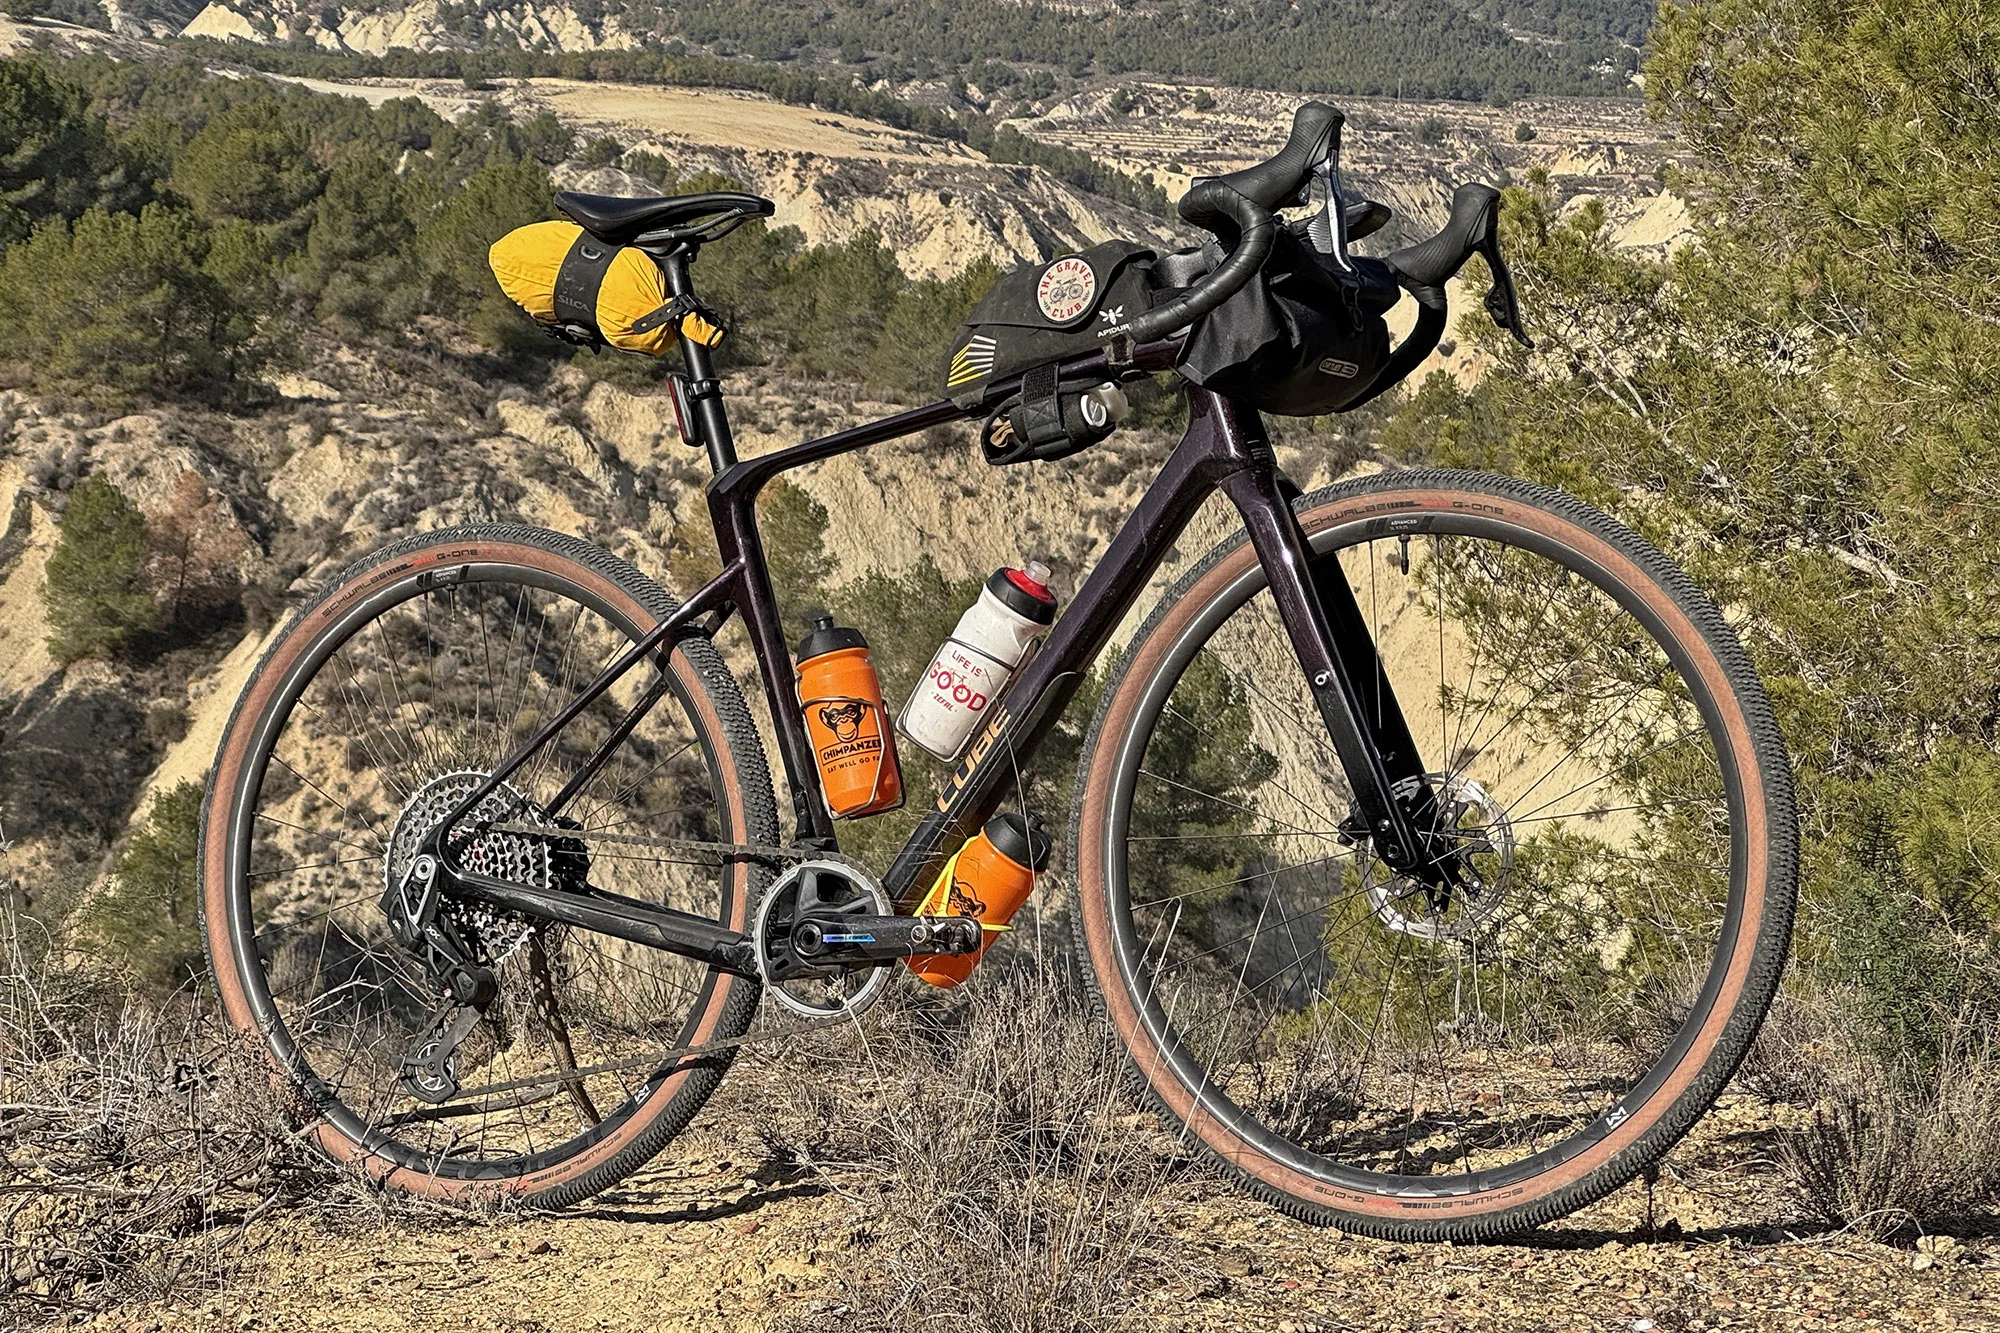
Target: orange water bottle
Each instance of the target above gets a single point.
(989, 878)
(849, 727)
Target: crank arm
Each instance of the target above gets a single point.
(839, 939)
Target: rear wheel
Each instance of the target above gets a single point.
(387, 701)
(1411, 1059)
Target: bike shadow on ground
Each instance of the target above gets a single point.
(1793, 1231)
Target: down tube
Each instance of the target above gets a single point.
(1222, 438)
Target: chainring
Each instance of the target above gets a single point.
(823, 887)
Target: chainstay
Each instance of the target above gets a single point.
(719, 852)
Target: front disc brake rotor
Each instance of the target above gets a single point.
(1467, 825)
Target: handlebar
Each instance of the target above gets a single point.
(1214, 205)
(1239, 209)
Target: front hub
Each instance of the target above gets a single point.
(1467, 865)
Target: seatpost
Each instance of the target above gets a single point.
(704, 386)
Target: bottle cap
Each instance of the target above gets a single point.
(827, 637)
(1024, 842)
(1025, 592)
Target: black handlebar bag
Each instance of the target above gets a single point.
(1302, 338)
(1043, 313)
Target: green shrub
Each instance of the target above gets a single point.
(94, 592)
(603, 151)
(145, 923)
(1524, 133)
(117, 304)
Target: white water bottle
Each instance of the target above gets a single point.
(972, 669)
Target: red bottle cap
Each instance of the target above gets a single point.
(1034, 581)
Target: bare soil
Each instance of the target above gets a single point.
(718, 1234)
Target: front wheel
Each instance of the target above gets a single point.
(1424, 1059)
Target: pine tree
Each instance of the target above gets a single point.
(145, 922)
(94, 593)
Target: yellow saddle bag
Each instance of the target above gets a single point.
(588, 291)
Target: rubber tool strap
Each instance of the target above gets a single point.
(697, 321)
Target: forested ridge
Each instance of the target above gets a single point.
(1420, 48)
(1416, 48)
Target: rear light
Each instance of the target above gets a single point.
(677, 390)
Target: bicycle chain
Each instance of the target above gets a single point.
(721, 851)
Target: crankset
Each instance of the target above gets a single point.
(825, 933)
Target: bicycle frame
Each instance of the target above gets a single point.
(1224, 448)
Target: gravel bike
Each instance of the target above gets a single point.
(1432, 848)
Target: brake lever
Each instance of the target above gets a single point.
(1502, 305)
(1328, 231)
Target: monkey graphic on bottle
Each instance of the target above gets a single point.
(846, 722)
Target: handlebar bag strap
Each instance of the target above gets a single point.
(1300, 339)
(1039, 314)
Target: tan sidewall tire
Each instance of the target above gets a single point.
(746, 794)
(1757, 945)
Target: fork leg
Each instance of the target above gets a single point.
(1330, 638)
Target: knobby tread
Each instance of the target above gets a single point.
(1770, 948)
(739, 736)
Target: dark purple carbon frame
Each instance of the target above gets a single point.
(1224, 448)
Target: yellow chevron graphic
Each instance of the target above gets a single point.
(970, 362)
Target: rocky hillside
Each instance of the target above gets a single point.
(424, 25)
(1407, 154)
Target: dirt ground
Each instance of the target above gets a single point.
(716, 1235)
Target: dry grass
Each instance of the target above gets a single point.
(1010, 1177)
(135, 1145)
(1893, 1144)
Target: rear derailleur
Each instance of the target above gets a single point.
(439, 941)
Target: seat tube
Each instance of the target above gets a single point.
(1259, 493)
(704, 385)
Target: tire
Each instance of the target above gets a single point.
(1370, 1054)
(377, 694)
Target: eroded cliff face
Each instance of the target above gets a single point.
(422, 26)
